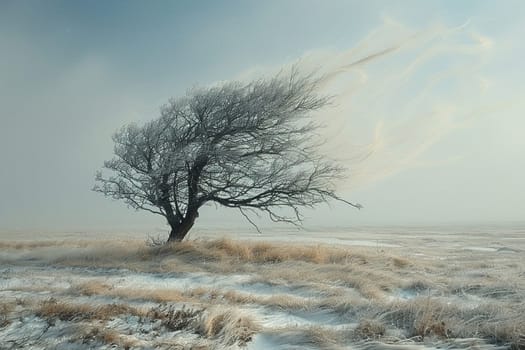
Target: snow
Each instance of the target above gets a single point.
(32, 276)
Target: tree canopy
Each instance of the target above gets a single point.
(249, 146)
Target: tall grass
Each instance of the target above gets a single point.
(64, 311)
(386, 297)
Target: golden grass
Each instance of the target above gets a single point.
(175, 318)
(282, 301)
(26, 245)
(260, 252)
(96, 334)
(429, 317)
(369, 280)
(421, 317)
(355, 283)
(343, 305)
(323, 337)
(346, 265)
(64, 311)
(317, 337)
(400, 262)
(208, 295)
(229, 325)
(93, 287)
(5, 311)
(370, 329)
(159, 295)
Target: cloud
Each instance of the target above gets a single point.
(398, 93)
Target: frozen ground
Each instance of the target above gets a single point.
(371, 288)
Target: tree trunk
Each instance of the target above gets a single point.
(179, 231)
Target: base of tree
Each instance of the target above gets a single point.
(174, 238)
(178, 233)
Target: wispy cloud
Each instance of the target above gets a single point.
(399, 92)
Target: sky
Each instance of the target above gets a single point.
(431, 130)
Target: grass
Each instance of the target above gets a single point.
(370, 329)
(5, 311)
(428, 317)
(229, 325)
(256, 252)
(195, 295)
(310, 337)
(179, 319)
(159, 295)
(388, 297)
(64, 311)
(95, 336)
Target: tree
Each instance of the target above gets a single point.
(246, 146)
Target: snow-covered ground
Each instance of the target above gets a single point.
(368, 288)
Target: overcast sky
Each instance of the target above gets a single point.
(72, 72)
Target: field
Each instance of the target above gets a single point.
(400, 288)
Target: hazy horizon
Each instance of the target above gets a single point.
(428, 118)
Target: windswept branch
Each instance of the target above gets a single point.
(247, 146)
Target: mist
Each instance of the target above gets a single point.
(426, 112)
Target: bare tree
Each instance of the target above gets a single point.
(245, 146)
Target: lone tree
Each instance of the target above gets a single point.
(246, 146)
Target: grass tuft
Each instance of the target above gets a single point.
(160, 295)
(437, 296)
(253, 252)
(63, 311)
(228, 325)
(94, 335)
(5, 310)
(181, 319)
(370, 329)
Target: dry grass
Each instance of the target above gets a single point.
(373, 275)
(207, 295)
(370, 280)
(370, 329)
(325, 338)
(94, 335)
(310, 337)
(349, 307)
(228, 325)
(431, 298)
(52, 309)
(428, 317)
(178, 319)
(354, 267)
(423, 317)
(86, 242)
(260, 252)
(93, 287)
(5, 311)
(282, 301)
(30, 245)
(400, 262)
(157, 295)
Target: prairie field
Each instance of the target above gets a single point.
(370, 288)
